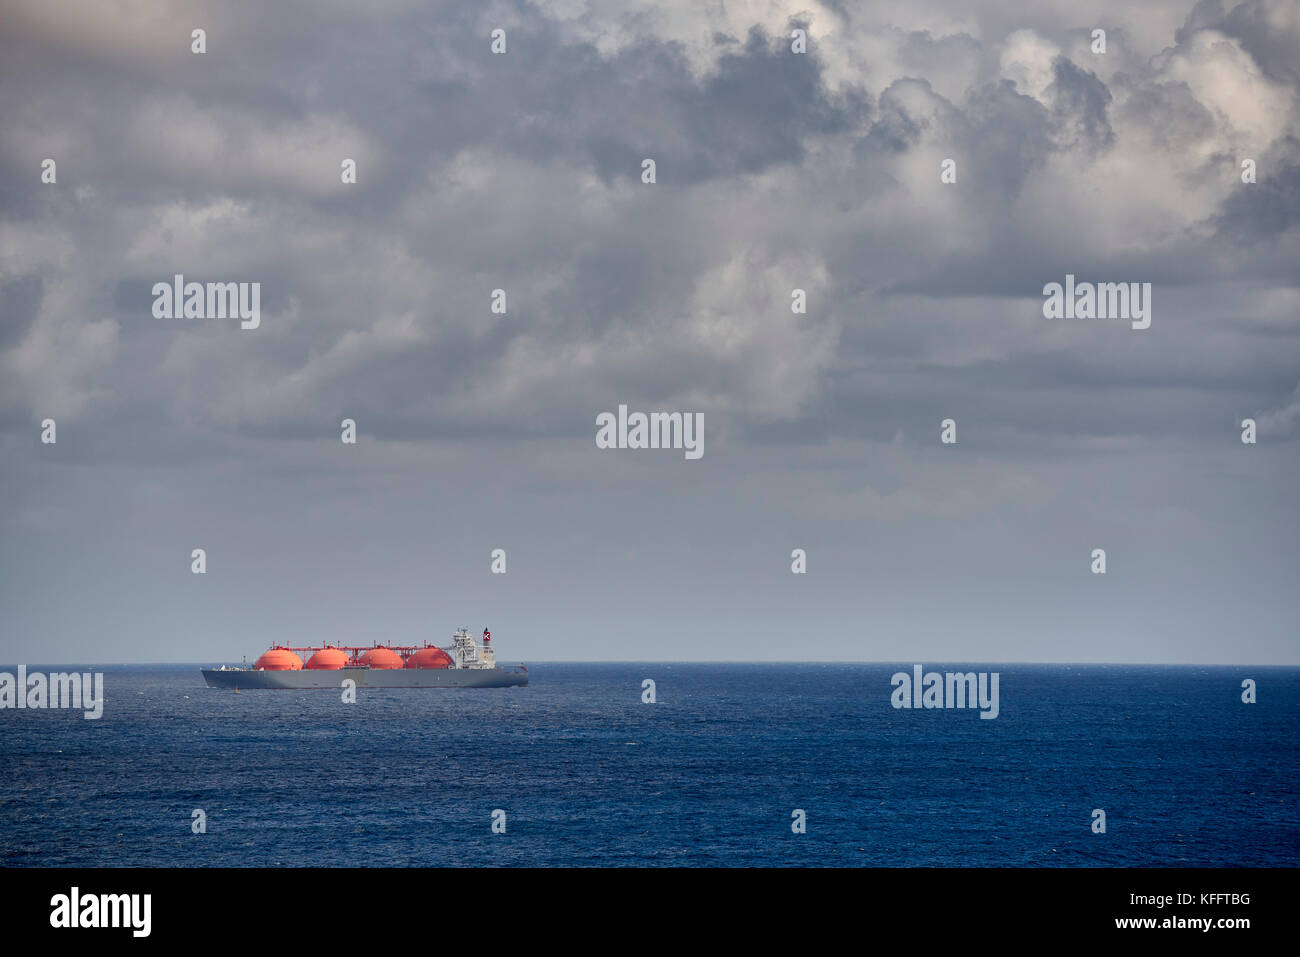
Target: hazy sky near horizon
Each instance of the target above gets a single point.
(775, 171)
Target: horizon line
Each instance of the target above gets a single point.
(740, 661)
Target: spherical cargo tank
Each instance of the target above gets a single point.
(381, 658)
(328, 659)
(429, 658)
(279, 659)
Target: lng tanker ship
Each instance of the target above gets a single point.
(465, 664)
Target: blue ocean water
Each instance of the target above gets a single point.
(709, 775)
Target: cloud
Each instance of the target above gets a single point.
(1282, 422)
(521, 172)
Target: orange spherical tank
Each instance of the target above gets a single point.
(429, 658)
(381, 658)
(279, 659)
(327, 659)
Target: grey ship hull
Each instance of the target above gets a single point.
(245, 679)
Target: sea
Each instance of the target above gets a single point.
(732, 765)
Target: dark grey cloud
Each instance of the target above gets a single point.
(1079, 111)
(20, 300)
(1270, 39)
(1264, 214)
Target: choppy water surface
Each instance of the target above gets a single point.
(709, 775)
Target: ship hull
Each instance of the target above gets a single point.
(248, 679)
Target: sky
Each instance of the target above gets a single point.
(774, 171)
